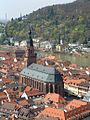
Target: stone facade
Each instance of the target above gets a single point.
(31, 56)
(43, 86)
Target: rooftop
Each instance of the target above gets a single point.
(54, 97)
(53, 112)
(75, 104)
(40, 72)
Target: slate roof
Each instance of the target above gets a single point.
(9, 106)
(12, 85)
(19, 53)
(85, 84)
(25, 114)
(40, 72)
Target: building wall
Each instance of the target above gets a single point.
(82, 91)
(73, 89)
(31, 56)
(76, 89)
(43, 86)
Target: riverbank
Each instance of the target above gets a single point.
(82, 61)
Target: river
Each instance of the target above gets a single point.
(79, 60)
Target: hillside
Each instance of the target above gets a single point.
(70, 22)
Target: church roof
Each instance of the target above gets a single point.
(40, 72)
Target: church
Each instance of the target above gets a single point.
(45, 79)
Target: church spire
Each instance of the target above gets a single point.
(30, 50)
(30, 41)
(30, 38)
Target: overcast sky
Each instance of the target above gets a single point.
(13, 8)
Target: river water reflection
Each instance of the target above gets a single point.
(79, 60)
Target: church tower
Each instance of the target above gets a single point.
(31, 56)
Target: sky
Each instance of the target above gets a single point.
(13, 8)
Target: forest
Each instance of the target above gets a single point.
(69, 22)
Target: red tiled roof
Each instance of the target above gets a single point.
(54, 97)
(34, 92)
(75, 104)
(27, 89)
(23, 102)
(3, 95)
(73, 65)
(6, 80)
(53, 112)
(75, 81)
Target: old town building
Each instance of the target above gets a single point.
(77, 87)
(46, 79)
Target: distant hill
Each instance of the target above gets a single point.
(70, 22)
